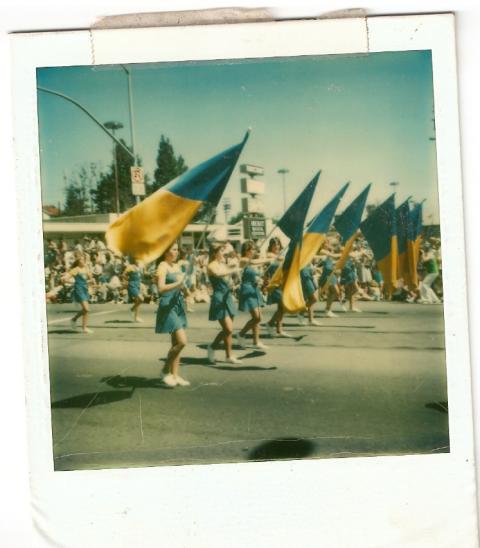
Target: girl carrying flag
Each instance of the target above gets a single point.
(275, 324)
(133, 274)
(82, 275)
(171, 316)
(251, 298)
(309, 288)
(222, 307)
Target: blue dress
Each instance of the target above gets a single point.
(171, 314)
(328, 268)
(134, 280)
(250, 296)
(80, 288)
(275, 296)
(221, 303)
(308, 283)
(349, 273)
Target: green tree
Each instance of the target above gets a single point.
(168, 167)
(104, 195)
(237, 217)
(77, 193)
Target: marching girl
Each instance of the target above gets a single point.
(328, 280)
(250, 296)
(349, 281)
(222, 307)
(275, 324)
(81, 274)
(133, 273)
(309, 288)
(186, 262)
(171, 317)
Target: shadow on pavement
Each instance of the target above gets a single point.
(118, 381)
(243, 367)
(63, 331)
(441, 406)
(119, 321)
(93, 398)
(282, 448)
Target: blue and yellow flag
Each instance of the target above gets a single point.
(318, 227)
(149, 228)
(296, 213)
(380, 230)
(414, 238)
(403, 226)
(348, 223)
(292, 294)
(289, 223)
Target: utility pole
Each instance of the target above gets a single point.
(113, 126)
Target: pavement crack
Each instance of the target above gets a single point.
(140, 416)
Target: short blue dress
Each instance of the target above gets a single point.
(171, 314)
(275, 296)
(221, 303)
(250, 296)
(80, 288)
(134, 281)
(349, 273)
(328, 268)
(308, 282)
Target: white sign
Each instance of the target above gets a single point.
(137, 176)
(252, 205)
(251, 169)
(252, 186)
(138, 189)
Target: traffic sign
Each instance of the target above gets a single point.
(137, 176)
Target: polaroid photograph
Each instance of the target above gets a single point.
(243, 247)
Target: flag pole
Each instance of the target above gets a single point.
(341, 261)
(204, 232)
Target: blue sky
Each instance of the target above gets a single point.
(359, 118)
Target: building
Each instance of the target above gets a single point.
(94, 226)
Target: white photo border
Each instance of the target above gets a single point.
(375, 501)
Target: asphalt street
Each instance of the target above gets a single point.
(361, 384)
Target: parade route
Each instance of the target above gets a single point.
(372, 383)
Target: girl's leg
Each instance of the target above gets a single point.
(136, 307)
(84, 314)
(179, 340)
(311, 302)
(180, 343)
(250, 323)
(227, 332)
(218, 339)
(256, 319)
(279, 318)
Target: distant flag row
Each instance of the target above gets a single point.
(148, 229)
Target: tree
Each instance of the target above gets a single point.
(169, 166)
(104, 195)
(236, 218)
(78, 191)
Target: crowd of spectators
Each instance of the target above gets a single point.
(109, 282)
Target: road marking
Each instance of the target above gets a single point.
(61, 320)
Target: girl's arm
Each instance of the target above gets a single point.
(221, 269)
(161, 279)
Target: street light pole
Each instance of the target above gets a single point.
(283, 171)
(132, 122)
(113, 126)
(394, 185)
